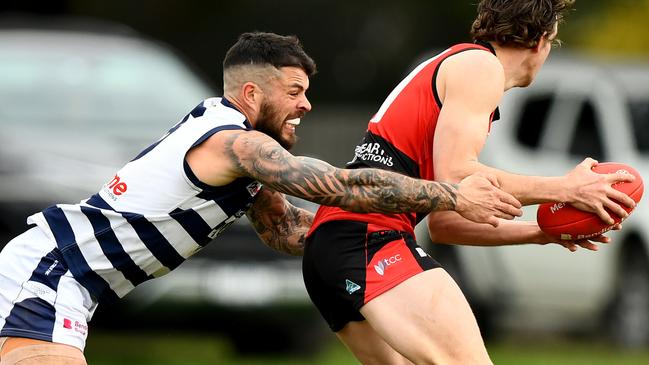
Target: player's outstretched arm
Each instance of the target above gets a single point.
(450, 228)
(280, 225)
(258, 156)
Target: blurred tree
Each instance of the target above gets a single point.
(617, 28)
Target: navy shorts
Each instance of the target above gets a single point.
(346, 264)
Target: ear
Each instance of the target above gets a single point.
(540, 43)
(251, 93)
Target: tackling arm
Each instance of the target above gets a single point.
(256, 155)
(279, 224)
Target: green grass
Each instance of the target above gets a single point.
(163, 349)
(174, 349)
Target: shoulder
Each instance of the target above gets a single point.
(474, 74)
(475, 63)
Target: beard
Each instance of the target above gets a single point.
(271, 124)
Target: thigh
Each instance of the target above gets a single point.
(23, 351)
(428, 320)
(368, 346)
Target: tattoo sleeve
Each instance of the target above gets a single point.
(256, 155)
(282, 226)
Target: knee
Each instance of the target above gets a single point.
(433, 357)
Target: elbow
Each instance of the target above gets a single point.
(438, 229)
(451, 174)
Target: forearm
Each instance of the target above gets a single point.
(373, 190)
(527, 189)
(449, 227)
(279, 224)
(364, 190)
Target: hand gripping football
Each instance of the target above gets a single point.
(565, 222)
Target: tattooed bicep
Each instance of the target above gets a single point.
(258, 156)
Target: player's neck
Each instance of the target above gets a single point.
(513, 60)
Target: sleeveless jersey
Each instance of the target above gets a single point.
(399, 138)
(153, 214)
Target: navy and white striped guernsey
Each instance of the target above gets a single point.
(153, 214)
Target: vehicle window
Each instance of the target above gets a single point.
(587, 139)
(533, 120)
(640, 118)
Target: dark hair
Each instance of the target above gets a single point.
(259, 48)
(519, 23)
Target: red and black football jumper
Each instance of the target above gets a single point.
(343, 250)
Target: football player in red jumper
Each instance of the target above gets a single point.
(385, 298)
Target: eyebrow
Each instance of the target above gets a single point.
(296, 85)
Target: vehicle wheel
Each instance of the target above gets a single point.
(628, 318)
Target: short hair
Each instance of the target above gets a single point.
(263, 49)
(518, 23)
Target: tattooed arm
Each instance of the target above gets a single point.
(228, 155)
(281, 225)
(363, 190)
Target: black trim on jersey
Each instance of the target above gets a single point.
(112, 248)
(227, 103)
(496, 112)
(188, 170)
(233, 197)
(376, 152)
(486, 45)
(434, 81)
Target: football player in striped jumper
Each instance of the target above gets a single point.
(226, 158)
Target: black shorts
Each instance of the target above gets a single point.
(347, 264)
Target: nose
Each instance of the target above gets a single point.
(305, 104)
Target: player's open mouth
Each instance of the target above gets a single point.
(292, 123)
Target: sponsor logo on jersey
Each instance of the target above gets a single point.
(385, 263)
(372, 151)
(254, 188)
(81, 328)
(351, 286)
(221, 227)
(41, 290)
(49, 269)
(115, 188)
(77, 326)
(421, 252)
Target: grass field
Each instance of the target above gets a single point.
(167, 349)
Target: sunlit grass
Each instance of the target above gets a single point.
(196, 349)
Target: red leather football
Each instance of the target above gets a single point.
(565, 222)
